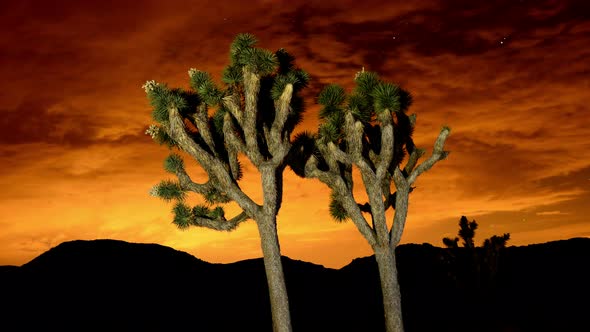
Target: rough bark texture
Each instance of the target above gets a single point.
(273, 267)
(390, 289)
(267, 226)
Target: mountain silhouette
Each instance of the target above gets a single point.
(114, 285)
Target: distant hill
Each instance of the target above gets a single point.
(114, 285)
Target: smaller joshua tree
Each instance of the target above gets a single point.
(466, 233)
(370, 130)
(253, 115)
(479, 261)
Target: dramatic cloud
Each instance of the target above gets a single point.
(511, 78)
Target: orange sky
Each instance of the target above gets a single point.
(510, 77)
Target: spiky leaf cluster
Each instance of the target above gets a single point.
(170, 190)
(173, 164)
(183, 217)
(332, 95)
(244, 54)
(337, 211)
(203, 211)
(160, 136)
(298, 78)
(202, 83)
(373, 102)
(386, 98)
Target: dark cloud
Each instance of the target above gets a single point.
(50, 120)
(459, 28)
(35, 121)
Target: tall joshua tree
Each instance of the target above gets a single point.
(368, 129)
(252, 115)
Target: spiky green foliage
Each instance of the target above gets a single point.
(203, 211)
(218, 213)
(366, 82)
(173, 163)
(330, 131)
(232, 74)
(332, 95)
(337, 211)
(359, 107)
(386, 98)
(298, 78)
(261, 61)
(170, 190)
(242, 42)
(183, 216)
(203, 83)
(162, 138)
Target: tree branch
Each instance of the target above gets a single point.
(186, 183)
(202, 124)
(401, 207)
(282, 112)
(213, 166)
(437, 154)
(335, 182)
(232, 103)
(386, 153)
(338, 154)
(221, 224)
(413, 160)
(251, 89)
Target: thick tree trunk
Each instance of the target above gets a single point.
(279, 300)
(392, 303)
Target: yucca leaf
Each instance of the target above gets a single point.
(366, 82)
(332, 95)
(169, 190)
(201, 211)
(182, 216)
(242, 42)
(232, 74)
(173, 163)
(337, 211)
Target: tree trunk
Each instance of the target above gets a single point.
(279, 301)
(390, 290)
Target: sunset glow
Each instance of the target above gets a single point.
(511, 78)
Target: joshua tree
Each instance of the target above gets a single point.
(486, 260)
(252, 115)
(368, 129)
(466, 233)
